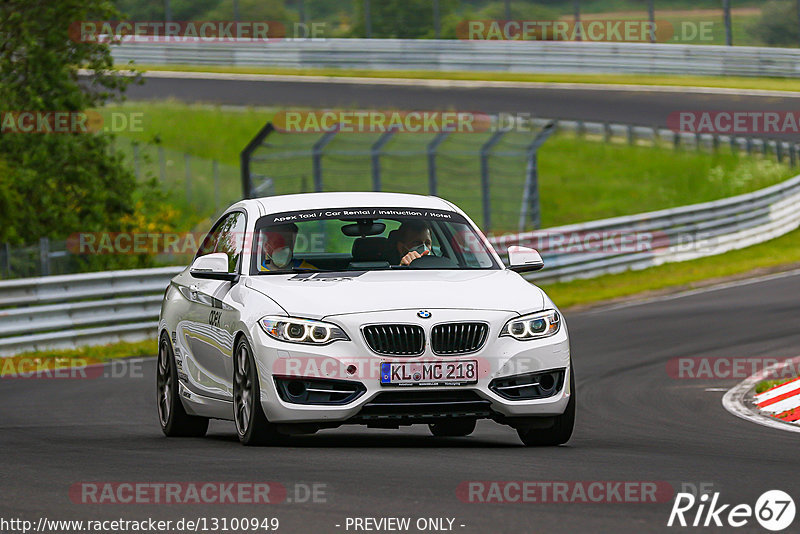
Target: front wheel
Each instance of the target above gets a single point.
(175, 422)
(561, 430)
(251, 422)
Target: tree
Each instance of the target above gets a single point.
(399, 19)
(57, 184)
(152, 10)
(256, 10)
(777, 25)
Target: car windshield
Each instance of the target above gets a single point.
(360, 239)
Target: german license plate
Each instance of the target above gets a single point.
(455, 373)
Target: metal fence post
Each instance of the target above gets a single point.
(432, 148)
(375, 154)
(367, 19)
(44, 256)
(437, 23)
(726, 8)
(246, 154)
(779, 150)
(715, 142)
(485, 189)
(316, 157)
(631, 137)
(607, 132)
(530, 196)
(186, 162)
(676, 140)
(792, 154)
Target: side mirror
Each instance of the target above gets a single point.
(213, 267)
(524, 260)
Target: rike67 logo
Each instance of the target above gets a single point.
(774, 511)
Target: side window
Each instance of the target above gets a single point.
(230, 239)
(209, 243)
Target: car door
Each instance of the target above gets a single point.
(205, 334)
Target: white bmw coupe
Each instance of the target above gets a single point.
(306, 312)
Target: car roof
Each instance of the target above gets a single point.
(310, 201)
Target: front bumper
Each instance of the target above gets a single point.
(353, 361)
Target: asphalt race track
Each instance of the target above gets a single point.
(647, 108)
(635, 423)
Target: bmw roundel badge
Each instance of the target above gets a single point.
(424, 314)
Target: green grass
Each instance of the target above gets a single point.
(773, 84)
(580, 179)
(210, 132)
(761, 387)
(775, 254)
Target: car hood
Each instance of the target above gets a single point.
(318, 295)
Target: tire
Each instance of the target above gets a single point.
(560, 432)
(252, 425)
(455, 428)
(175, 422)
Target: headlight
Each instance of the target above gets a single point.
(533, 326)
(304, 331)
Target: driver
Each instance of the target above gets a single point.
(413, 240)
(277, 247)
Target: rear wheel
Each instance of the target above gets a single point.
(561, 430)
(456, 428)
(175, 422)
(251, 422)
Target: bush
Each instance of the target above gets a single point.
(778, 24)
(56, 184)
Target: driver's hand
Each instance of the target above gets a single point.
(411, 256)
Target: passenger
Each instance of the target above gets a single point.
(277, 249)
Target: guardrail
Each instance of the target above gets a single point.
(493, 56)
(591, 249)
(94, 308)
(60, 312)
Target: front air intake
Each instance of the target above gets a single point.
(395, 339)
(529, 386)
(319, 391)
(458, 338)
